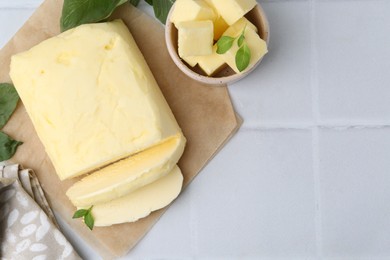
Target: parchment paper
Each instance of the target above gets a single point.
(205, 114)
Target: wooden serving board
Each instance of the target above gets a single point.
(205, 114)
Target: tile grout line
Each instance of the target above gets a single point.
(315, 130)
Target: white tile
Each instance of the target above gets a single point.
(279, 89)
(355, 194)
(20, 3)
(170, 236)
(256, 198)
(10, 21)
(353, 39)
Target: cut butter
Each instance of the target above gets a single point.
(257, 46)
(191, 10)
(232, 10)
(139, 203)
(236, 29)
(125, 176)
(210, 64)
(195, 38)
(91, 97)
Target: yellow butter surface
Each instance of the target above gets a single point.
(232, 10)
(140, 203)
(91, 97)
(128, 175)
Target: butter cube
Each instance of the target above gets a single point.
(195, 38)
(191, 10)
(210, 64)
(257, 46)
(236, 29)
(232, 10)
(92, 98)
(191, 60)
(220, 26)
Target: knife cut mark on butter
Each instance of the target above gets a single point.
(97, 109)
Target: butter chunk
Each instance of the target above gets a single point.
(123, 177)
(191, 10)
(91, 97)
(232, 10)
(195, 38)
(220, 26)
(140, 203)
(210, 64)
(257, 46)
(236, 29)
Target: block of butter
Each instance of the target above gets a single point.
(92, 98)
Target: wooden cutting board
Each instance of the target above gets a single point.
(205, 114)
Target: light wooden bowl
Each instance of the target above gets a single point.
(257, 16)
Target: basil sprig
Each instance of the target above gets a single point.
(77, 12)
(243, 54)
(8, 101)
(87, 215)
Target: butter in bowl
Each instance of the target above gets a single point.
(217, 41)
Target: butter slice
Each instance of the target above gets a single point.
(195, 38)
(123, 177)
(141, 202)
(91, 97)
(232, 10)
(257, 46)
(191, 10)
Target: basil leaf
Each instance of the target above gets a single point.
(243, 57)
(89, 221)
(77, 12)
(134, 2)
(150, 2)
(224, 44)
(240, 40)
(80, 213)
(161, 9)
(7, 146)
(8, 100)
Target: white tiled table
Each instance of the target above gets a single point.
(308, 174)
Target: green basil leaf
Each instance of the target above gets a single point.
(89, 221)
(240, 40)
(150, 2)
(243, 57)
(8, 100)
(161, 9)
(224, 44)
(80, 213)
(134, 2)
(7, 146)
(77, 12)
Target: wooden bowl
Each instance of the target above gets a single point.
(257, 16)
